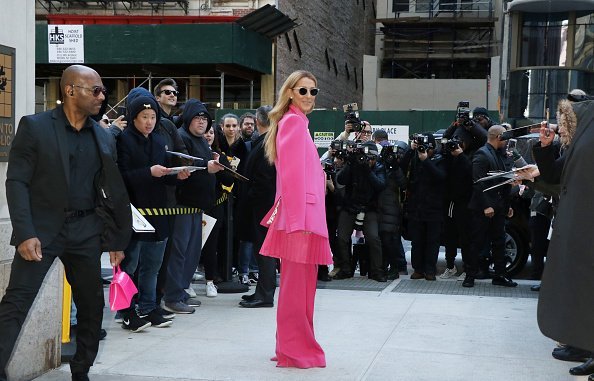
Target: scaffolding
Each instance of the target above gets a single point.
(156, 7)
(438, 39)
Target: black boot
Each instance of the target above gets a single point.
(584, 369)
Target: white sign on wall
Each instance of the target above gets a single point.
(65, 44)
(395, 132)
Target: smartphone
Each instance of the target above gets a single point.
(121, 110)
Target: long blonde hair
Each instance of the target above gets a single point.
(566, 117)
(280, 108)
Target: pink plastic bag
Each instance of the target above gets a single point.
(121, 290)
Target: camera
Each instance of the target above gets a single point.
(329, 168)
(422, 142)
(351, 115)
(463, 113)
(357, 153)
(451, 144)
(340, 148)
(391, 155)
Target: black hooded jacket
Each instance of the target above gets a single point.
(199, 189)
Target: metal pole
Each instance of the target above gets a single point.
(252, 94)
(150, 84)
(222, 89)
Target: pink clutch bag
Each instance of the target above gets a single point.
(121, 290)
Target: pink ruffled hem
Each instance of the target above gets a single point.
(300, 247)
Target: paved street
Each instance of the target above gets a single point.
(367, 335)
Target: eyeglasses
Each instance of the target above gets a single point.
(365, 132)
(201, 118)
(95, 89)
(169, 92)
(303, 91)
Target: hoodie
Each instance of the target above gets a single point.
(199, 189)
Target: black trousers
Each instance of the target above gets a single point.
(539, 243)
(424, 245)
(266, 265)
(346, 224)
(457, 231)
(489, 231)
(79, 248)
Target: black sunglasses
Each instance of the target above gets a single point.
(95, 89)
(169, 92)
(303, 91)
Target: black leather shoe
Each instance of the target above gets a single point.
(343, 275)
(503, 281)
(416, 275)
(584, 369)
(430, 277)
(257, 303)
(379, 278)
(536, 287)
(468, 281)
(591, 377)
(80, 377)
(572, 354)
(102, 334)
(324, 278)
(249, 297)
(392, 275)
(483, 275)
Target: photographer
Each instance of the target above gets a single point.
(458, 190)
(389, 205)
(472, 132)
(363, 178)
(424, 205)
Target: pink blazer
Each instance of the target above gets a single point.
(300, 179)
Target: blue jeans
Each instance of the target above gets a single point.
(184, 255)
(146, 257)
(247, 260)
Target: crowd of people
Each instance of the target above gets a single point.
(290, 213)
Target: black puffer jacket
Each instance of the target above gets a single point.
(388, 203)
(425, 189)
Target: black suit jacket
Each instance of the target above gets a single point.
(37, 182)
(484, 160)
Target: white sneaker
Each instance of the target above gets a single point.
(211, 290)
(190, 291)
(334, 271)
(197, 277)
(461, 277)
(244, 279)
(449, 273)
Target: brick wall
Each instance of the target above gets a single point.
(330, 33)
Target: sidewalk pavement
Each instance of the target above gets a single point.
(367, 335)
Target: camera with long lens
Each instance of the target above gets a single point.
(451, 144)
(422, 142)
(391, 155)
(463, 113)
(330, 169)
(351, 116)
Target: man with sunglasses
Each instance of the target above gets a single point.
(66, 199)
(166, 94)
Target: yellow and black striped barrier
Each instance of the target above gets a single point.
(167, 211)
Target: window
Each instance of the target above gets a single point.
(544, 40)
(346, 69)
(400, 6)
(327, 59)
(584, 42)
(335, 67)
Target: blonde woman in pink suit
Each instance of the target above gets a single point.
(297, 232)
